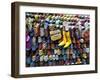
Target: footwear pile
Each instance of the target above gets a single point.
(57, 39)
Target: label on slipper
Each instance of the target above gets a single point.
(55, 35)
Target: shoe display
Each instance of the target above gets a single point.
(57, 39)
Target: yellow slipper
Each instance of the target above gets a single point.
(64, 39)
